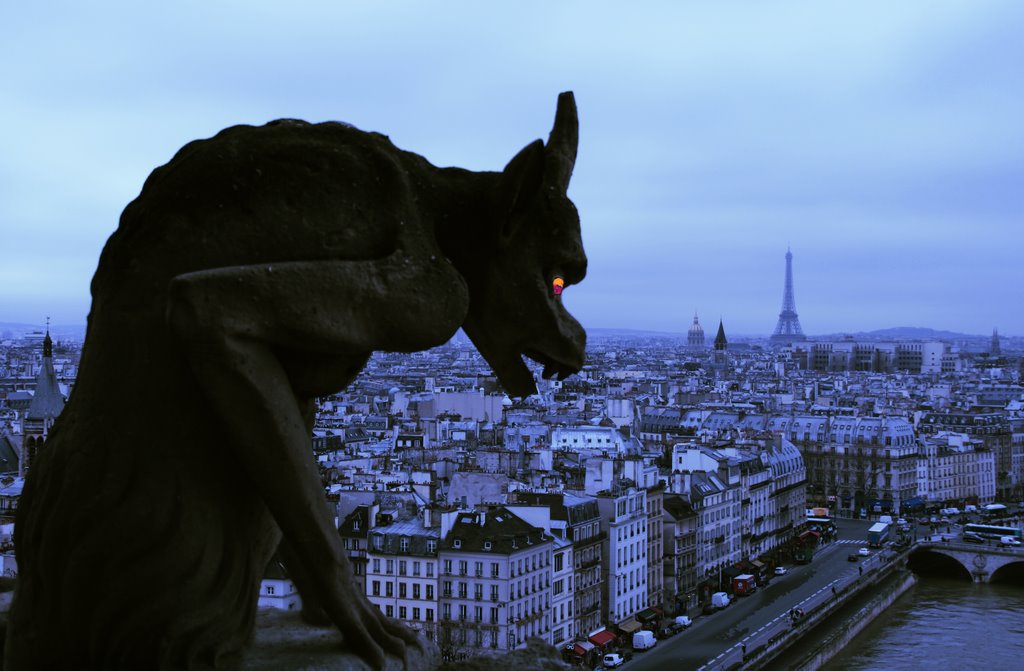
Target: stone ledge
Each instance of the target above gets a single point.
(284, 642)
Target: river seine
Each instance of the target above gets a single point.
(943, 624)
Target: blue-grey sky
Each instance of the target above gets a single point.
(881, 141)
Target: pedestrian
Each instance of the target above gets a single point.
(834, 588)
(860, 570)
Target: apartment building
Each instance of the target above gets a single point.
(496, 572)
(402, 567)
(624, 562)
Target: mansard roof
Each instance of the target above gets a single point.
(498, 531)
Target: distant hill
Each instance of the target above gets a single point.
(905, 333)
(631, 333)
(68, 332)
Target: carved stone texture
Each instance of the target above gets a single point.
(256, 271)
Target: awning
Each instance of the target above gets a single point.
(629, 626)
(603, 637)
(757, 564)
(647, 614)
(582, 648)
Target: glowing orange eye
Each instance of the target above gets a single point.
(557, 286)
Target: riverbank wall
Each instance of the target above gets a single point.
(826, 629)
(846, 626)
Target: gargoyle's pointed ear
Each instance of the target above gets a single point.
(562, 143)
(520, 183)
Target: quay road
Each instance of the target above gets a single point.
(716, 640)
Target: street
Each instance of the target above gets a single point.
(717, 640)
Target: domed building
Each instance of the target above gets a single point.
(695, 336)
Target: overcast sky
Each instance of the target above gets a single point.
(881, 141)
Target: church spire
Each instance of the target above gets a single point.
(47, 342)
(721, 344)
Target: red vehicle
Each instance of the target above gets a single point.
(743, 585)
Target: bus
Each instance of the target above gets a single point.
(990, 531)
(878, 534)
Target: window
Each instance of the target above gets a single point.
(404, 544)
(270, 590)
(390, 566)
(376, 587)
(494, 592)
(448, 566)
(389, 589)
(430, 615)
(401, 590)
(416, 568)
(463, 567)
(494, 569)
(416, 591)
(432, 547)
(479, 569)
(430, 592)
(462, 590)
(401, 567)
(430, 570)
(415, 613)
(376, 566)
(401, 612)
(378, 541)
(390, 610)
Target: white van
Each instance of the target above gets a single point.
(719, 599)
(1009, 541)
(644, 640)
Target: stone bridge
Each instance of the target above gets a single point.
(981, 562)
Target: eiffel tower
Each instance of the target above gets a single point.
(788, 329)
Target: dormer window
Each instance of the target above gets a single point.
(487, 545)
(355, 524)
(457, 543)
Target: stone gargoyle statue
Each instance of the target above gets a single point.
(256, 271)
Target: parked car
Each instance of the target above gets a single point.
(611, 660)
(852, 557)
(682, 621)
(667, 632)
(864, 552)
(780, 570)
(643, 640)
(719, 599)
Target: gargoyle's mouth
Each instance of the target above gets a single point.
(553, 366)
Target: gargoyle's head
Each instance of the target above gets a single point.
(516, 295)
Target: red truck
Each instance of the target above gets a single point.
(743, 585)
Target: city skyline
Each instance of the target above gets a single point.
(879, 143)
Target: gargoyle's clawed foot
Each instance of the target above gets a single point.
(374, 637)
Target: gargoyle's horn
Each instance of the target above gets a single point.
(561, 149)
